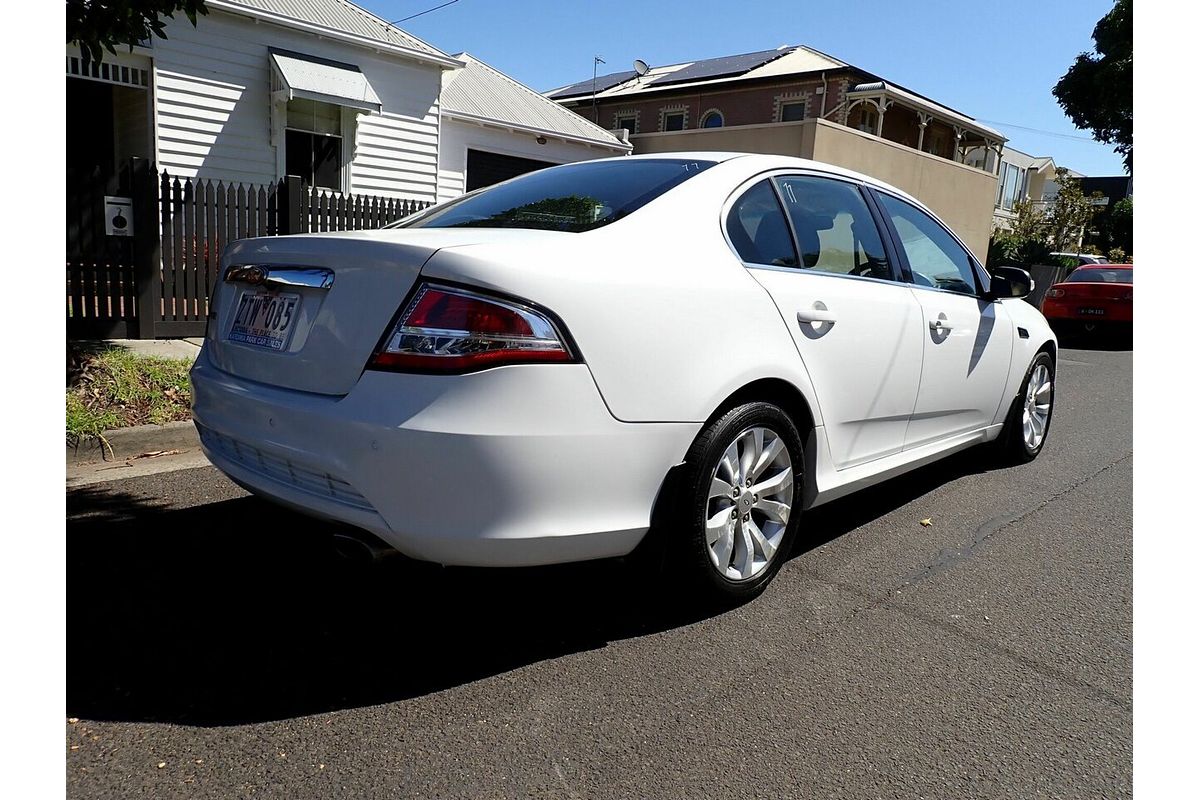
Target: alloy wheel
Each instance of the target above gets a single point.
(1038, 398)
(749, 503)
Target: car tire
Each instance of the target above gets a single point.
(738, 503)
(1018, 442)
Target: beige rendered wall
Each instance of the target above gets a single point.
(780, 138)
(962, 196)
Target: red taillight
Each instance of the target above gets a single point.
(1055, 293)
(1129, 295)
(447, 329)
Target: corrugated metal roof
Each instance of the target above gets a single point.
(481, 91)
(318, 79)
(339, 15)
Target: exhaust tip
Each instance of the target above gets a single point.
(361, 547)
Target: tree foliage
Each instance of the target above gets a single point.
(99, 25)
(1039, 229)
(1097, 91)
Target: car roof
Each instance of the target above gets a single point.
(760, 162)
(1104, 266)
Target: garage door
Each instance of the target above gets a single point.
(484, 168)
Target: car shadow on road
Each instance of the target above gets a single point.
(239, 611)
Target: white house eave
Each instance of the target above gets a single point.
(443, 61)
(487, 122)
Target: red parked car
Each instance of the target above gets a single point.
(1094, 298)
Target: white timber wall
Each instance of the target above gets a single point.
(459, 136)
(212, 88)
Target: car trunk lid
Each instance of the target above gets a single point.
(306, 312)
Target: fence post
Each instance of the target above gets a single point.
(147, 245)
(288, 220)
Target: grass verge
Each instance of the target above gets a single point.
(112, 387)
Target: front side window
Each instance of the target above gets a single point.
(936, 259)
(573, 197)
(758, 230)
(834, 228)
(313, 143)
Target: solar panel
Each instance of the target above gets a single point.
(585, 87)
(720, 67)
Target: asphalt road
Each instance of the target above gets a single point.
(216, 649)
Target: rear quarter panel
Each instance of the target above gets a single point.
(666, 317)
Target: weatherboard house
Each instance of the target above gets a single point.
(370, 122)
(798, 101)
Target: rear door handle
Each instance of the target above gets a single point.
(818, 313)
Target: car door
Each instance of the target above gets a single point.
(967, 338)
(856, 326)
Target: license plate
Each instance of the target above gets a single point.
(265, 319)
(1092, 312)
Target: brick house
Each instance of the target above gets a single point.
(798, 101)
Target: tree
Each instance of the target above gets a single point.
(1039, 230)
(99, 25)
(1068, 219)
(1097, 91)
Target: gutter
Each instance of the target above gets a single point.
(615, 144)
(441, 60)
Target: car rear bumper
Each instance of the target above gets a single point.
(511, 466)
(1073, 312)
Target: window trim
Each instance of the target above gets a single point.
(667, 111)
(982, 281)
(710, 113)
(898, 279)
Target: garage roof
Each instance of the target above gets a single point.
(480, 93)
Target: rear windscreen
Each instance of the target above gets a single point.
(573, 197)
(1101, 276)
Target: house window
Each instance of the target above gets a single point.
(868, 118)
(313, 143)
(1014, 180)
(673, 121)
(792, 112)
(713, 119)
(628, 123)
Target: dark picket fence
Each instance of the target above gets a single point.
(101, 286)
(182, 228)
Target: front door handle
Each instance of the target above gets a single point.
(940, 325)
(818, 313)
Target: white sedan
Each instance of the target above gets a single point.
(532, 373)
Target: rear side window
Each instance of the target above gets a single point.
(758, 229)
(1101, 276)
(573, 197)
(834, 228)
(934, 256)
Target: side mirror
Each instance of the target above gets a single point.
(1010, 282)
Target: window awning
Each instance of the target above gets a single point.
(299, 75)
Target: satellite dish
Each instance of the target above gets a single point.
(640, 67)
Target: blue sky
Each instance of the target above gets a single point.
(995, 62)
